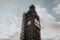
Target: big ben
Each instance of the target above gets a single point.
(31, 25)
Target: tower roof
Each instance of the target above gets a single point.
(32, 7)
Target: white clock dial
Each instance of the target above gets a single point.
(29, 22)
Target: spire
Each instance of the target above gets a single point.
(32, 8)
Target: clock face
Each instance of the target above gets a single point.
(36, 22)
(29, 22)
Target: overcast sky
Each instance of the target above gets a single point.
(11, 12)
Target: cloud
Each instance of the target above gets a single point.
(56, 1)
(16, 34)
(48, 23)
(11, 29)
(8, 18)
(8, 9)
(56, 10)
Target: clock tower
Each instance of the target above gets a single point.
(31, 25)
